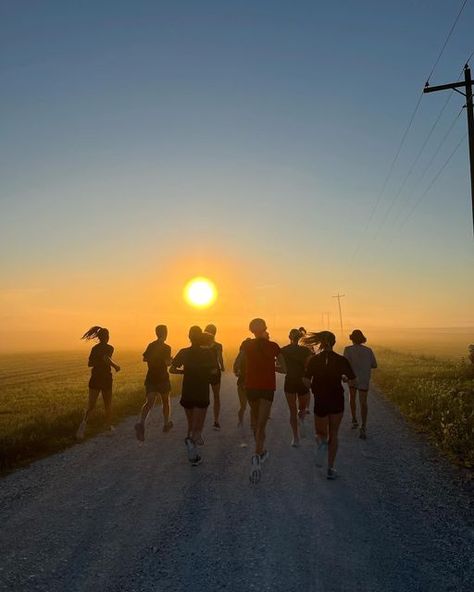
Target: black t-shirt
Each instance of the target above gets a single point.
(295, 357)
(156, 355)
(96, 358)
(325, 371)
(197, 363)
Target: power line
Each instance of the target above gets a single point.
(433, 181)
(404, 136)
(451, 31)
(414, 163)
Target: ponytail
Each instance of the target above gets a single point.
(95, 332)
(324, 339)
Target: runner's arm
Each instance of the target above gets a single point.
(111, 363)
(237, 367)
(280, 364)
(176, 364)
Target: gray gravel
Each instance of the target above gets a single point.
(112, 515)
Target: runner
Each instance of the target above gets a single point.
(239, 371)
(197, 364)
(297, 393)
(216, 378)
(157, 382)
(260, 355)
(362, 360)
(100, 360)
(324, 373)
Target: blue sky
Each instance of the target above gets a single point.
(245, 128)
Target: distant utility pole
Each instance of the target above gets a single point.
(339, 296)
(467, 85)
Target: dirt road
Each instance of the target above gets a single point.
(111, 515)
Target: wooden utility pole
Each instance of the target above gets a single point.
(339, 296)
(467, 85)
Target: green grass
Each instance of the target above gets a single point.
(42, 399)
(436, 395)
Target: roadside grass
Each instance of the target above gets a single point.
(42, 400)
(436, 395)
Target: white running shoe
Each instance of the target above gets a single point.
(295, 443)
(81, 432)
(320, 452)
(332, 474)
(264, 456)
(191, 449)
(255, 470)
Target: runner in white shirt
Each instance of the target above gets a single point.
(362, 360)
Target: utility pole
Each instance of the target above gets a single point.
(339, 296)
(467, 85)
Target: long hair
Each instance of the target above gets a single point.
(324, 339)
(95, 332)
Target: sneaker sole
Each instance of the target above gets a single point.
(255, 475)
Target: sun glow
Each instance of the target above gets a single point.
(200, 292)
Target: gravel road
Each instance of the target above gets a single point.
(112, 515)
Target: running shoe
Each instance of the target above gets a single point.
(199, 441)
(319, 453)
(355, 424)
(332, 474)
(81, 432)
(196, 461)
(191, 449)
(295, 443)
(363, 434)
(217, 426)
(167, 427)
(264, 456)
(255, 470)
(140, 432)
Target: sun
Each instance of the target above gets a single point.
(200, 292)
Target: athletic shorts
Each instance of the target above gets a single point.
(359, 386)
(295, 385)
(254, 394)
(101, 382)
(191, 404)
(324, 406)
(163, 387)
(215, 378)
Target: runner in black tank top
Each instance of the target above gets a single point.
(216, 377)
(100, 361)
(157, 382)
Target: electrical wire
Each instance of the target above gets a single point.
(433, 181)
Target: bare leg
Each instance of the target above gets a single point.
(147, 407)
(189, 417)
(303, 404)
(198, 418)
(334, 423)
(93, 396)
(264, 408)
(243, 403)
(363, 407)
(216, 390)
(353, 401)
(165, 407)
(291, 400)
(321, 427)
(107, 397)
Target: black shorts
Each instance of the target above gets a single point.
(295, 385)
(100, 382)
(163, 387)
(254, 394)
(324, 406)
(191, 404)
(215, 378)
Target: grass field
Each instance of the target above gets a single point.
(42, 398)
(436, 395)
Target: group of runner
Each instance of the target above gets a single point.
(308, 362)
